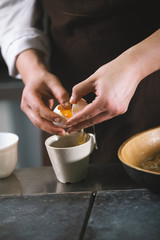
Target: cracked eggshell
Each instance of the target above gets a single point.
(75, 108)
(61, 124)
(79, 106)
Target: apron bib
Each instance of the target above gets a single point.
(87, 34)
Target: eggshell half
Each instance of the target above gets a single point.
(79, 106)
(75, 108)
(61, 124)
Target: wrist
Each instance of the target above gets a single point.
(30, 65)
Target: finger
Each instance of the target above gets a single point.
(59, 92)
(42, 110)
(49, 103)
(88, 123)
(82, 89)
(90, 111)
(42, 123)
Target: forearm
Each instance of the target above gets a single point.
(145, 56)
(20, 31)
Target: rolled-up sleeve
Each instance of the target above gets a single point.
(19, 22)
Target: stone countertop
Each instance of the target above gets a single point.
(106, 205)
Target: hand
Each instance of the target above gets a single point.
(41, 87)
(114, 85)
(37, 102)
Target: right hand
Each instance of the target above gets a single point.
(41, 87)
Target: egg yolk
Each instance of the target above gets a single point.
(65, 112)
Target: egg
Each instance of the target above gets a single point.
(68, 113)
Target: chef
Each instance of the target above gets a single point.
(107, 52)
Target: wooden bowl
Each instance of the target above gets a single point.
(136, 149)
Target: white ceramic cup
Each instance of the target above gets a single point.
(8, 153)
(70, 161)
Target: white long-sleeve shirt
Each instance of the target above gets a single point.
(19, 31)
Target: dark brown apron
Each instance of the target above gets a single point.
(87, 34)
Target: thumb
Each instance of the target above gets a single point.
(82, 89)
(59, 92)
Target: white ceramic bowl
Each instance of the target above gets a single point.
(8, 153)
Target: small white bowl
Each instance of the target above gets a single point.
(8, 153)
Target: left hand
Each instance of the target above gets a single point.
(114, 84)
